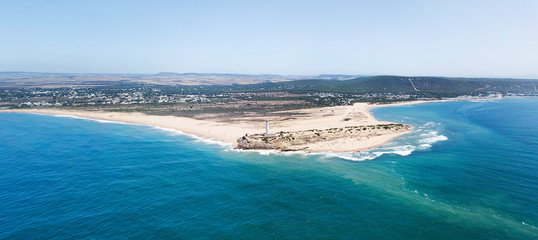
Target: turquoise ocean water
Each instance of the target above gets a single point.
(468, 171)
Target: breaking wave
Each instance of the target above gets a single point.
(420, 139)
(169, 130)
(195, 137)
(93, 119)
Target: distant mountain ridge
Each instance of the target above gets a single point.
(427, 86)
(40, 79)
(169, 74)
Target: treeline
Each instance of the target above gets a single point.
(427, 87)
(422, 86)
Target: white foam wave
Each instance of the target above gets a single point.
(267, 152)
(431, 137)
(369, 156)
(170, 130)
(429, 134)
(93, 119)
(108, 121)
(396, 148)
(403, 146)
(403, 150)
(211, 141)
(422, 138)
(524, 223)
(195, 137)
(424, 146)
(430, 124)
(345, 156)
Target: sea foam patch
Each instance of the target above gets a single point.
(169, 130)
(93, 119)
(420, 139)
(194, 137)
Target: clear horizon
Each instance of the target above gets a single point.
(413, 38)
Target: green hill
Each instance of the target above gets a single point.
(415, 85)
(435, 87)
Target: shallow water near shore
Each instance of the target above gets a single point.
(469, 170)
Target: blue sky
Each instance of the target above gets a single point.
(441, 38)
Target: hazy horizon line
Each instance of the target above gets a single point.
(283, 75)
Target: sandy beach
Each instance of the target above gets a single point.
(229, 129)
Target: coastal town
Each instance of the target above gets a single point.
(157, 95)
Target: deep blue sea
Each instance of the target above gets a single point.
(468, 171)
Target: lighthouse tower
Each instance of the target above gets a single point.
(266, 127)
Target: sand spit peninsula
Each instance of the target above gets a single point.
(345, 138)
(337, 129)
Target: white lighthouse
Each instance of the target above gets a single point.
(266, 127)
